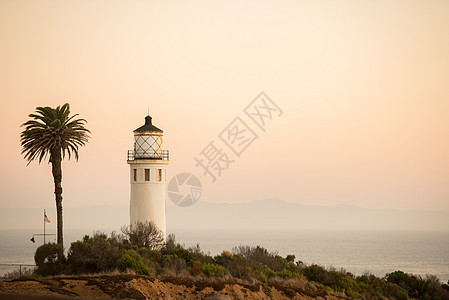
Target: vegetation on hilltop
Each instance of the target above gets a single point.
(133, 252)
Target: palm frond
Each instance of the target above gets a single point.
(50, 129)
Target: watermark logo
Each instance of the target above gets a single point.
(262, 109)
(184, 189)
(238, 136)
(213, 160)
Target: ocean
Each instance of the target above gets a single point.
(358, 252)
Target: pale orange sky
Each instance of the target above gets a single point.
(363, 86)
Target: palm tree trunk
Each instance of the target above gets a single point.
(56, 161)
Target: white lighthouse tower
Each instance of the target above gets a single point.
(148, 162)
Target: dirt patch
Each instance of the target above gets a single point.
(82, 288)
(25, 287)
(142, 287)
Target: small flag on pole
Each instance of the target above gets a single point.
(45, 218)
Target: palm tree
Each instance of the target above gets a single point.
(53, 133)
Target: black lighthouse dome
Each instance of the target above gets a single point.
(148, 126)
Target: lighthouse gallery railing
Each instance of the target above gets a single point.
(163, 155)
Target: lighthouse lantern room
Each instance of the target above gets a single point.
(148, 162)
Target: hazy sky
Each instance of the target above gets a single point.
(363, 86)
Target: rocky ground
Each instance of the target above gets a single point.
(142, 287)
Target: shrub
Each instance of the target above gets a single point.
(290, 258)
(316, 273)
(195, 270)
(434, 289)
(445, 286)
(418, 287)
(395, 291)
(46, 259)
(236, 265)
(131, 260)
(405, 281)
(25, 273)
(171, 244)
(187, 256)
(262, 278)
(227, 254)
(144, 234)
(143, 251)
(267, 290)
(289, 292)
(153, 255)
(286, 274)
(212, 270)
(268, 272)
(353, 294)
(172, 261)
(259, 256)
(94, 254)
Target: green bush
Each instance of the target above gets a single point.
(262, 278)
(94, 254)
(172, 261)
(286, 274)
(353, 294)
(46, 259)
(395, 291)
(405, 281)
(268, 272)
(170, 243)
(236, 265)
(319, 274)
(418, 287)
(131, 260)
(371, 285)
(290, 258)
(212, 270)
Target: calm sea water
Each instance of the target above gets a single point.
(377, 252)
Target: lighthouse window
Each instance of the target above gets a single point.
(159, 174)
(135, 174)
(147, 174)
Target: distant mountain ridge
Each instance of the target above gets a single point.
(260, 214)
(279, 214)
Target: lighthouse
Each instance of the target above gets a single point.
(148, 161)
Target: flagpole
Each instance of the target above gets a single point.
(44, 226)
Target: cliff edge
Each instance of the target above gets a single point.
(142, 287)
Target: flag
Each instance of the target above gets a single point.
(45, 218)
